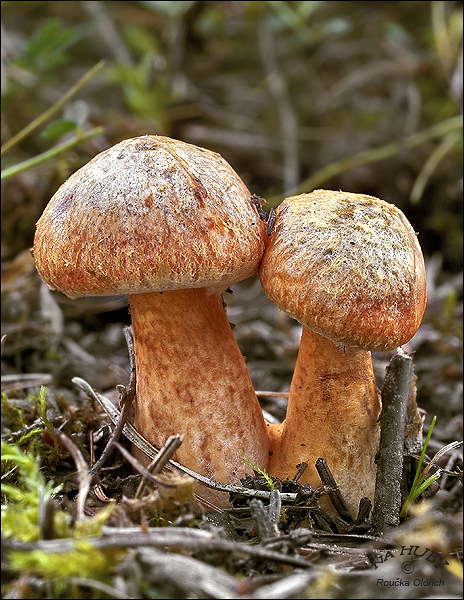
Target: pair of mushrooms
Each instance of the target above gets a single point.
(172, 226)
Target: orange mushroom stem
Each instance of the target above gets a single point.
(191, 378)
(333, 413)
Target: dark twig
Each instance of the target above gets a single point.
(266, 217)
(165, 454)
(365, 507)
(258, 202)
(159, 462)
(333, 490)
(127, 397)
(266, 518)
(115, 435)
(270, 221)
(301, 469)
(395, 397)
(141, 469)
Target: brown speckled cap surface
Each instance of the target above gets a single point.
(149, 214)
(347, 266)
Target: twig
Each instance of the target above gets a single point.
(395, 397)
(82, 471)
(20, 381)
(291, 586)
(170, 539)
(365, 507)
(108, 32)
(188, 577)
(301, 469)
(171, 445)
(126, 403)
(129, 335)
(333, 490)
(266, 518)
(168, 533)
(438, 455)
(37, 425)
(115, 434)
(141, 469)
(447, 472)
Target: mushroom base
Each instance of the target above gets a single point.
(332, 413)
(192, 380)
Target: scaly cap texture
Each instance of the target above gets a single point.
(347, 266)
(149, 214)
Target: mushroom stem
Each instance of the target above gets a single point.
(192, 380)
(332, 413)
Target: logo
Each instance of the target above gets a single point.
(409, 557)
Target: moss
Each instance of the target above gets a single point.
(83, 560)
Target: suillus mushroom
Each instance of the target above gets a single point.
(349, 268)
(172, 226)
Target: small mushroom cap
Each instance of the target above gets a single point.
(347, 266)
(149, 214)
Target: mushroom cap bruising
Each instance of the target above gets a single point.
(149, 214)
(347, 266)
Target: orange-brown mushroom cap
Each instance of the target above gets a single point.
(347, 266)
(148, 214)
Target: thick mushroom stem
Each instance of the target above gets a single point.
(333, 411)
(191, 379)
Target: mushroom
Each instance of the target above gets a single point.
(349, 268)
(172, 226)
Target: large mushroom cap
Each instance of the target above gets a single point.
(347, 266)
(149, 214)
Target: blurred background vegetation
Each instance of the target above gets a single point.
(360, 96)
(282, 90)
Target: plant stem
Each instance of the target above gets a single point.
(431, 164)
(53, 109)
(372, 155)
(416, 483)
(48, 154)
